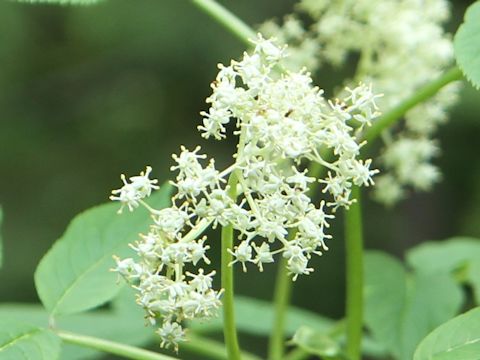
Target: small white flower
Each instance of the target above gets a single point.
(131, 193)
(171, 221)
(128, 268)
(197, 251)
(242, 254)
(264, 255)
(171, 334)
(201, 282)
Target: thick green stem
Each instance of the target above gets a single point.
(122, 350)
(229, 328)
(354, 260)
(283, 290)
(227, 19)
(424, 93)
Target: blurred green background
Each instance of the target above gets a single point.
(87, 93)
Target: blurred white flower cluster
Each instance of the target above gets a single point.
(282, 123)
(400, 45)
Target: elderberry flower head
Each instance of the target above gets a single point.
(392, 38)
(282, 122)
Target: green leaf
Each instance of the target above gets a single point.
(21, 341)
(316, 343)
(74, 275)
(473, 278)
(444, 256)
(1, 238)
(457, 339)
(401, 308)
(256, 317)
(61, 2)
(460, 255)
(124, 324)
(467, 45)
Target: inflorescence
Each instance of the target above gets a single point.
(401, 46)
(282, 122)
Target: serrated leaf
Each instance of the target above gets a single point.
(467, 45)
(316, 343)
(60, 2)
(401, 308)
(74, 275)
(22, 341)
(256, 317)
(457, 339)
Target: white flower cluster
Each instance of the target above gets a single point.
(401, 46)
(282, 122)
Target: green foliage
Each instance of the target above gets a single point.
(316, 343)
(123, 323)
(457, 339)
(256, 317)
(467, 45)
(445, 256)
(21, 341)
(74, 275)
(473, 278)
(61, 2)
(401, 307)
(1, 239)
(457, 255)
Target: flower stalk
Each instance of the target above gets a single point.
(283, 290)
(111, 347)
(424, 93)
(229, 328)
(354, 280)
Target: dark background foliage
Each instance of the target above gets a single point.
(87, 93)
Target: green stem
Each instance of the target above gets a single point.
(283, 290)
(284, 285)
(229, 328)
(208, 348)
(227, 19)
(211, 349)
(125, 351)
(354, 260)
(424, 93)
